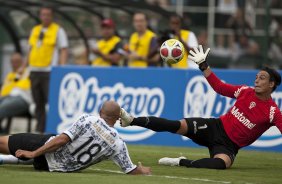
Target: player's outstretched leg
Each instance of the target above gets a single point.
(153, 123)
(209, 163)
(10, 159)
(4, 145)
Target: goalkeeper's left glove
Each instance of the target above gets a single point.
(199, 57)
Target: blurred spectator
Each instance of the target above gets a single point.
(15, 95)
(275, 50)
(203, 38)
(277, 4)
(80, 55)
(141, 43)
(161, 3)
(239, 24)
(245, 47)
(225, 9)
(108, 50)
(250, 8)
(220, 50)
(48, 47)
(186, 37)
(221, 55)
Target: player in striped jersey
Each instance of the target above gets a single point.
(88, 141)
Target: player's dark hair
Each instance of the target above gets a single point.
(274, 76)
(146, 18)
(49, 7)
(177, 16)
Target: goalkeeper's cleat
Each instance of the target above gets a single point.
(170, 161)
(125, 118)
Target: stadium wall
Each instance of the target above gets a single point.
(169, 93)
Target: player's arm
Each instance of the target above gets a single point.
(63, 45)
(63, 56)
(153, 55)
(140, 169)
(51, 146)
(114, 56)
(69, 135)
(200, 58)
(122, 159)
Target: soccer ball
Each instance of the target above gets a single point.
(172, 51)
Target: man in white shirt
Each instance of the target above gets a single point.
(88, 141)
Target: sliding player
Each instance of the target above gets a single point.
(88, 141)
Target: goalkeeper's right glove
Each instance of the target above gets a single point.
(199, 57)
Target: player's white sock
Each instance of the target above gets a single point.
(10, 159)
(126, 118)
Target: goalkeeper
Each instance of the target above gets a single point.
(252, 114)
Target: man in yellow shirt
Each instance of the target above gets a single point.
(141, 43)
(187, 38)
(15, 95)
(108, 50)
(48, 47)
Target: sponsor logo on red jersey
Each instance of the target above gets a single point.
(252, 105)
(237, 93)
(241, 118)
(271, 113)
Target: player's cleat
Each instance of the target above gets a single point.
(125, 118)
(170, 161)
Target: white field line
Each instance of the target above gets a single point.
(163, 176)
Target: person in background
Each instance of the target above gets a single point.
(244, 47)
(239, 24)
(226, 9)
(48, 47)
(109, 49)
(15, 96)
(186, 37)
(141, 43)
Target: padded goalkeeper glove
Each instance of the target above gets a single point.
(199, 57)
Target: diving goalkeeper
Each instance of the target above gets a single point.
(252, 114)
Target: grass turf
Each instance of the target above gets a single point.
(250, 167)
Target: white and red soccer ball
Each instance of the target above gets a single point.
(172, 51)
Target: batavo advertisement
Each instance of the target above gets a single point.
(167, 93)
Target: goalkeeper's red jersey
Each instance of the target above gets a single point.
(250, 117)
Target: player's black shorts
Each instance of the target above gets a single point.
(30, 142)
(209, 132)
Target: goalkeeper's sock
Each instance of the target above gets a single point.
(210, 163)
(157, 124)
(10, 159)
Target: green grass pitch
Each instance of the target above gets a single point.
(250, 167)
